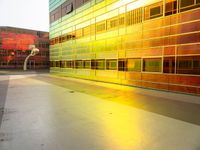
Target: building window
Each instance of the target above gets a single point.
(52, 64)
(60, 39)
(52, 41)
(121, 20)
(186, 3)
(100, 27)
(79, 64)
(12, 63)
(55, 15)
(111, 64)
(169, 65)
(58, 63)
(134, 64)
(134, 16)
(153, 11)
(100, 64)
(40, 45)
(87, 64)
(189, 4)
(112, 23)
(121, 65)
(3, 52)
(64, 37)
(93, 64)
(47, 45)
(70, 64)
(152, 64)
(63, 64)
(188, 65)
(170, 7)
(56, 40)
(3, 63)
(69, 8)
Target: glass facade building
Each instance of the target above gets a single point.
(145, 43)
(14, 48)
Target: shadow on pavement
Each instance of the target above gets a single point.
(188, 112)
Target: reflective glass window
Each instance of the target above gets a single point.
(170, 7)
(121, 65)
(100, 64)
(152, 64)
(79, 64)
(188, 65)
(93, 64)
(134, 64)
(186, 3)
(63, 64)
(111, 64)
(169, 65)
(87, 64)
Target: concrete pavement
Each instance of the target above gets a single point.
(22, 72)
(43, 112)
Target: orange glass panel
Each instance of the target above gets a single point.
(16, 41)
(188, 49)
(169, 50)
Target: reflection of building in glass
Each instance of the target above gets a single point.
(145, 43)
(14, 43)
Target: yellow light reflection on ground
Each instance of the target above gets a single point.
(122, 129)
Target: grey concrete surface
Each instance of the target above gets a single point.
(4, 81)
(42, 112)
(22, 72)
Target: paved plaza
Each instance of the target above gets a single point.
(45, 112)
